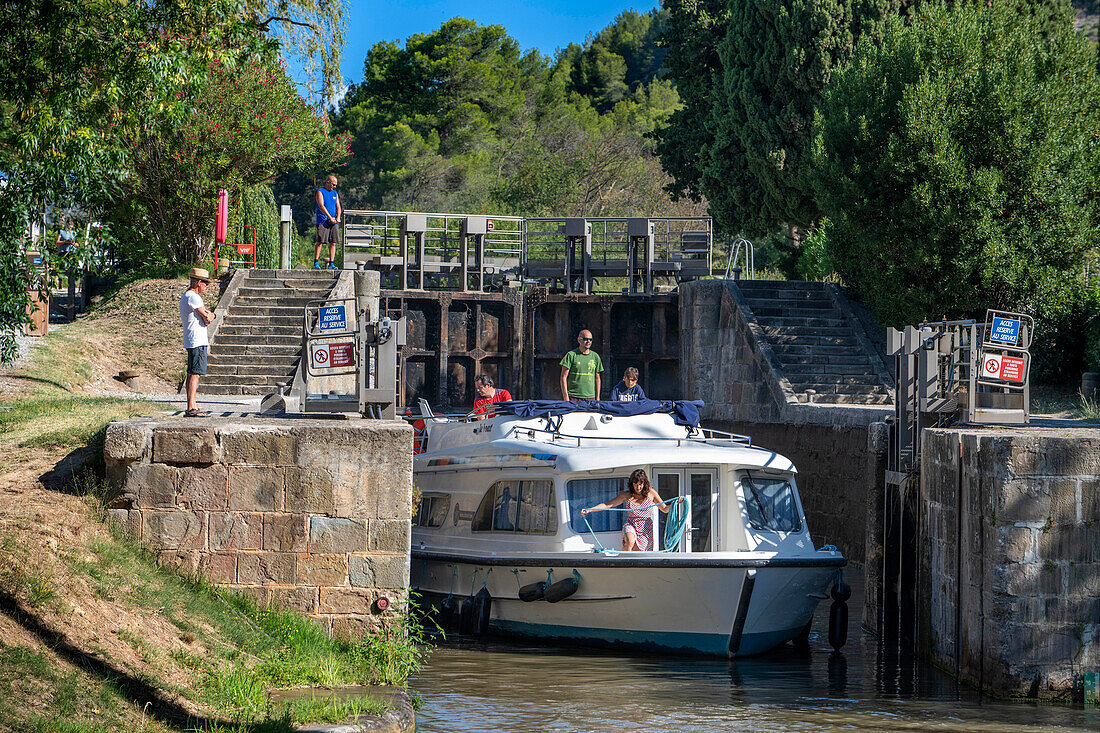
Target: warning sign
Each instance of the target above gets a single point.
(332, 318)
(489, 225)
(1007, 368)
(1004, 331)
(327, 356)
(245, 249)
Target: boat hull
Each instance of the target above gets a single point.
(716, 605)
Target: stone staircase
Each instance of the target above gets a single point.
(258, 343)
(820, 345)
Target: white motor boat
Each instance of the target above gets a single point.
(500, 545)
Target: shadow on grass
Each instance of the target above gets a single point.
(142, 694)
(39, 380)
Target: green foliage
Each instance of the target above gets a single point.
(958, 168)
(255, 207)
(815, 257)
(249, 125)
(460, 119)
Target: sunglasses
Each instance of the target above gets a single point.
(585, 339)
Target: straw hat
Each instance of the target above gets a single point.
(197, 273)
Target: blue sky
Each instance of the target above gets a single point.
(542, 24)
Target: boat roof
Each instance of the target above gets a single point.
(584, 441)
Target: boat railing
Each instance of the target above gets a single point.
(696, 435)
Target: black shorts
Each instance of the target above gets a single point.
(196, 360)
(328, 233)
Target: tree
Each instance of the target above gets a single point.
(248, 125)
(77, 77)
(957, 163)
(691, 36)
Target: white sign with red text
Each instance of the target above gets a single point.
(1001, 366)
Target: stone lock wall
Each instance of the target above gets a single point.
(312, 514)
(1009, 564)
(840, 451)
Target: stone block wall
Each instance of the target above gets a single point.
(840, 451)
(1009, 564)
(312, 514)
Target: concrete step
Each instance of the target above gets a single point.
(247, 291)
(232, 328)
(804, 309)
(848, 399)
(294, 321)
(791, 285)
(844, 380)
(289, 300)
(236, 389)
(305, 273)
(244, 380)
(842, 389)
(818, 323)
(812, 339)
(220, 349)
(296, 282)
(262, 310)
(284, 359)
(249, 367)
(796, 370)
(799, 352)
(253, 340)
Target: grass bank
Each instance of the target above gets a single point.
(96, 634)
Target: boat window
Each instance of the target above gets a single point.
(517, 506)
(587, 492)
(770, 504)
(433, 510)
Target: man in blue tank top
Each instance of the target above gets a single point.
(328, 222)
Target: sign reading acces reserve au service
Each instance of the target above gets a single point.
(1004, 331)
(332, 318)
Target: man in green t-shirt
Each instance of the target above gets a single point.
(580, 371)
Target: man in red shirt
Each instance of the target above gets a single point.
(487, 393)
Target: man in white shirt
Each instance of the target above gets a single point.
(195, 318)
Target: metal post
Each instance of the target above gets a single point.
(284, 237)
(420, 259)
(570, 243)
(479, 245)
(587, 261)
(649, 254)
(464, 254)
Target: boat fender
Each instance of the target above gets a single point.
(466, 616)
(532, 591)
(447, 611)
(563, 588)
(838, 615)
(483, 609)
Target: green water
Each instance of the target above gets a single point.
(511, 688)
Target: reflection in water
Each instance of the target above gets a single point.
(516, 688)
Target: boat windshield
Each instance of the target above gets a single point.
(770, 504)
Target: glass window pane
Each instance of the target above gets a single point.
(585, 493)
(506, 506)
(770, 504)
(534, 507)
(483, 518)
(668, 487)
(700, 512)
(436, 513)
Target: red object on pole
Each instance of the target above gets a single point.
(221, 226)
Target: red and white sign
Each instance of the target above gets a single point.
(489, 225)
(244, 249)
(326, 356)
(999, 366)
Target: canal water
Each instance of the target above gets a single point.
(507, 687)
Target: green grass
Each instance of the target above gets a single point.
(63, 420)
(251, 648)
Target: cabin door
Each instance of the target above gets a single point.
(700, 486)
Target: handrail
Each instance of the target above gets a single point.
(731, 437)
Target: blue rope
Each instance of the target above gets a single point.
(515, 573)
(827, 548)
(677, 522)
(675, 525)
(454, 572)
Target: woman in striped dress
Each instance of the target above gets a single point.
(640, 497)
